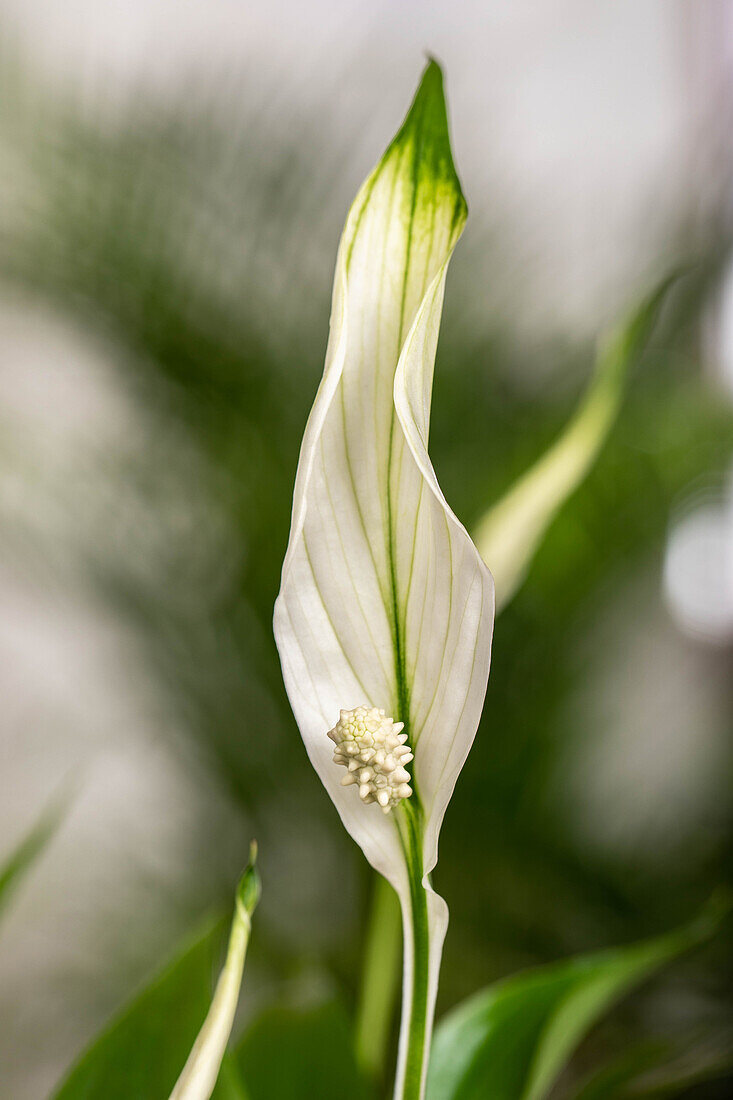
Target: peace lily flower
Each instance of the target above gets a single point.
(385, 613)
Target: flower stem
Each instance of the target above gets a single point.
(416, 1011)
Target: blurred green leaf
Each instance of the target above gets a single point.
(656, 1070)
(141, 1053)
(510, 1041)
(297, 1054)
(612, 1080)
(510, 532)
(20, 860)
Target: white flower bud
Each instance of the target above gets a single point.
(374, 750)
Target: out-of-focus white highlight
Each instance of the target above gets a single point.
(698, 572)
(722, 335)
(643, 774)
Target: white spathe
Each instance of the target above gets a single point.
(385, 602)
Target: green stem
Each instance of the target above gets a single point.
(415, 1008)
(380, 979)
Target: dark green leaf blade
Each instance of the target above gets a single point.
(142, 1051)
(657, 1070)
(510, 1041)
(300, 1053)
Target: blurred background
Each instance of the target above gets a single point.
(173, 181)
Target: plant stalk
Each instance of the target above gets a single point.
(416, 1010)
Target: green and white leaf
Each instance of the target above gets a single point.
(384, 598)
(510, 1041)
(174, 1021)
(140, 1053)
(509, 534)
(199, 1075)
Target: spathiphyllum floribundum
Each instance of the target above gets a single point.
(385, 613)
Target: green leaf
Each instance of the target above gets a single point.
(611, 1081)
(656, 1070)
(510, 532)
(141, 1053)
(510, 1041)
(297, 1054)
(32, 845)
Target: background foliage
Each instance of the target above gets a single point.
(193, 242)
